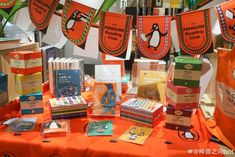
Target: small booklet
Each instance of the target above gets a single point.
(100, 128)
(23, 124)
(136, 134)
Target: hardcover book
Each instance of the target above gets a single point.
(67, 83)
(187, 72)
(104, 99)
(152, 85)
(31, 104)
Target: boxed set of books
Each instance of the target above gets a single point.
(68, 107)
(27, 84)
(144, 111)
(25, 62)
(31, 103)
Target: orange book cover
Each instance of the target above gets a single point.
(104, 99)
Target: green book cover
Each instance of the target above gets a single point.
(100, 128)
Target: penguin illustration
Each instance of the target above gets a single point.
(231, 15)
(155, 36)
(70, 23)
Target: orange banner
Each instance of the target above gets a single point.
(76, 21)
(41, 12)
(114, 33)
(153, 36)
(194, 32)
(226, 16)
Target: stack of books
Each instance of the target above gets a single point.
(27, 65)
(144, 111)
(68, 107)
(182, 93)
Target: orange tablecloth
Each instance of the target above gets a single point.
(30, 144)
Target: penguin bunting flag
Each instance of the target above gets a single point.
(76, 22)
(114, 32)
(194, 32)
(226, 15)
(7, 7)
(153, 36)
(40, 12)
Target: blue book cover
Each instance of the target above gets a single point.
(67, 83)
(3, 82)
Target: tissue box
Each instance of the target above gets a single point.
(3, 89)
(187, 71)
(28, 84)
(31, 104)
(25, 62)
(181, 97)
(178, 119)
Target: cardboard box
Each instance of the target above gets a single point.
(28, 84)
(181, 97)
(31, 104)
(25, 62)
(178, 119)
(3, 89)
(187, 71)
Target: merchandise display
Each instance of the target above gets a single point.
(117, 78)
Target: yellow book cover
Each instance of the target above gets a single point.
(152, 85)
(104, 99)
(136, 134)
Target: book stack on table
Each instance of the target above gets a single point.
(144, 111)
(68, 107)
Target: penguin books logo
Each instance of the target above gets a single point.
(189, 91)
(178, 113)
(188, 66)
(31, 98)
(17, 56)
(7, 154)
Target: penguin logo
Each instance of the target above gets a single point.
(231, 15)
(155, 36)
(75, 17)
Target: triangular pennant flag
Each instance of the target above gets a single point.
(153, 36)
(8, 7)
(76, 22)
(194, 32)
(114, 32)
(41, 12)
(226, 16)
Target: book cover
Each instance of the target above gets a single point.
(137, 135)
(67, 83)
(100, 128)
(104, 99)
(152, 85)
